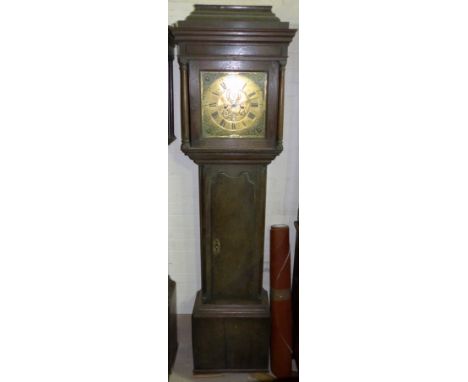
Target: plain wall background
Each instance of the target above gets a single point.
(282, 199)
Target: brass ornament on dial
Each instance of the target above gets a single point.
(233, 104)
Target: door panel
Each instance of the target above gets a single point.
(233, 209)
(233, 235)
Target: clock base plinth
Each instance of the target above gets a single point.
(231, 337)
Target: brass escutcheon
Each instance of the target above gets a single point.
(216, 246)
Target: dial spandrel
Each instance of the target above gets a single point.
(233, 104)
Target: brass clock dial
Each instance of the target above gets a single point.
(233, 104)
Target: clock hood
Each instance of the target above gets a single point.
(227, 22)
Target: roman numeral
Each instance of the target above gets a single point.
(233, 126)
(245, 84)
(216, 94)
(222, 123)
(251, 94)
(244, 123)
(215, 115)
(212, 104)
(223, 85)
(251, 115)
(254, 104)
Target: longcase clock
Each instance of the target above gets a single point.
(232, 63)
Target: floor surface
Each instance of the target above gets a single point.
(183, 365)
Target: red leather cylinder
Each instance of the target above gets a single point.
(280, 296)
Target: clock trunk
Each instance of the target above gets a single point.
(232, 200)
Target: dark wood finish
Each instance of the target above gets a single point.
(281, 107)
(231, 316)
(230, 337)
(172, 321)
(295, 296)
(171, 45)
(184, 105)
(231, 38)
(232, 210)
(233, 16)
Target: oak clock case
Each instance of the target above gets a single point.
(232, 61)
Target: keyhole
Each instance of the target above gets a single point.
(216, 246)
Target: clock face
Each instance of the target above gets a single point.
(233, 104)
